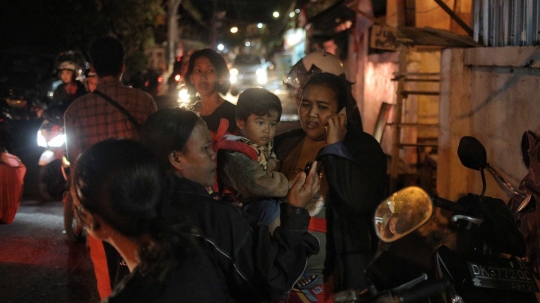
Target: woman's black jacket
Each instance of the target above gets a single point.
(257, 266)
(355, 170)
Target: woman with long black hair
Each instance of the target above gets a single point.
(117, 190)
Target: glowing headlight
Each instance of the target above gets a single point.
(58, 141)
(41, 141)
(234, 75)
(261, 76)
(183, 96)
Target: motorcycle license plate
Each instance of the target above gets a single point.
(503, 275)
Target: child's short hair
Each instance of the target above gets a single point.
(257, 101)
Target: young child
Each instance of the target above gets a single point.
(247, 166)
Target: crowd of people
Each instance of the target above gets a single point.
(209, 203)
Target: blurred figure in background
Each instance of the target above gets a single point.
(93, 118)
(208, 76)
(90, 81)
(68, 71)
(12, 172)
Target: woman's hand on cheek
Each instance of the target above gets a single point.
(304, 188)
(336, 128)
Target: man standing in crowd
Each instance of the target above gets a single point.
(111, 111)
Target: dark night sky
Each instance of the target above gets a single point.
(242, 10)
(43, 23)
(36, 23)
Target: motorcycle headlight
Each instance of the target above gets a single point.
(58, 141)
(183, 96)
(41, 141)
(261, 76)
(234, 75)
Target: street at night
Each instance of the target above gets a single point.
(421, 115)
(38, 263)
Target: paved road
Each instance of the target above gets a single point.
(37, 263)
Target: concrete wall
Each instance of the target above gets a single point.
(378, 87)
(491, 94)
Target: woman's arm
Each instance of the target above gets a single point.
(256, 265)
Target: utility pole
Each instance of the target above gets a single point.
(172, 40)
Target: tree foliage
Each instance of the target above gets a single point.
(133, 22)
(59, 25)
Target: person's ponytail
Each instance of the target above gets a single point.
(169, 243)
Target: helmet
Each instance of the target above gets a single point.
(70, 65)
(312, 63)
(89, 74)
(71, 60)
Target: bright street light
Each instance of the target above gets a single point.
(220, 47)
(275, 14)
(259, 25)
(234, 29)
(291, 14)
(248, 43)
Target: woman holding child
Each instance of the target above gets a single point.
(353, 182)
(255, 265)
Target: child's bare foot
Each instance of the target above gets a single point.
(306, 281)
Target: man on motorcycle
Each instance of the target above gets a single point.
(71, 88)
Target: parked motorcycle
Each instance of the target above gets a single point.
(396, 217)
(525, 199)
(486, 265)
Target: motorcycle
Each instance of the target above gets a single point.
(486, 265)
(525, 199)
(396, 217)
(55, 169)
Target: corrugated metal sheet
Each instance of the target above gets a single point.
(506, 22)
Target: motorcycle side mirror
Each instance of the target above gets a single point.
(472, 153)
(402, 213)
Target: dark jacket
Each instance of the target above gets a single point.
(196, 279)
(256, 266)
(62, 98)
(355, 170)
